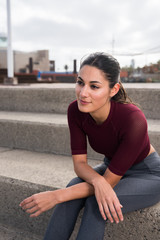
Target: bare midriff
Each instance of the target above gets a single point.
(151, 150)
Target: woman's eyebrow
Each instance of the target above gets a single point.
(90, 81)
(80, 78)
(95, 82)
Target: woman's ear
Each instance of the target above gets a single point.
(115, 90)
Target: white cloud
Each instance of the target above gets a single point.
(72, 28)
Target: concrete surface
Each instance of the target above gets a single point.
(56, 98)
(39, 168)
(36, 99)
(140, 225)
(72, 85)
(24, 173)
(10, 233)
(44, 132)
(37, 132)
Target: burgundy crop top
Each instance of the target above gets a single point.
(122, 138)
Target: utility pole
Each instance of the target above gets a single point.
(10, 75)
(113, 42)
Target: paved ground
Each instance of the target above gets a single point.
(8, 233)
(40, 168)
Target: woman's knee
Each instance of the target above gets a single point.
(91, 202)
(74, 181)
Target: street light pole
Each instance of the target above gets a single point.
(10, 72)
(9, 42)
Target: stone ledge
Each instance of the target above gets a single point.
(142, 225)
(24, 173)
(10, 233)
(56, 100)
(38, 131)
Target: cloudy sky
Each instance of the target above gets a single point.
(70, 29)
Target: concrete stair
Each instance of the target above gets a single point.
(38, 131)
(24, 173)
(33, 118)
(55, 98)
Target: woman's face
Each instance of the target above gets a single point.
(92, 91)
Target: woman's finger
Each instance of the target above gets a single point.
(113, 213)
(118, 207)
(101, 209)
(28, 205)
(36, 214)
(33, 209)
(107, 212)
(26, 201)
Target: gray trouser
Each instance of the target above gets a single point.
(139, 188)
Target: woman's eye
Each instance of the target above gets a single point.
(94, 87)
(79, 82)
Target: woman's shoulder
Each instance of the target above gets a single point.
(125, 114)
(125, 108)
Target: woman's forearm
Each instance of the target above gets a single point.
(86, 172)
(80, 190)
(41, 202)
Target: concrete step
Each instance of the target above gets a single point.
(46, 132)
(55, 98)
(38, 168)
(24, 173)
(42, 132)
(9, 233)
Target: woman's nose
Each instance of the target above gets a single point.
(84, 91)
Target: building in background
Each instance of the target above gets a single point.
(34, 67)
(25, 61)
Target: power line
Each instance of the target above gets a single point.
(153, 50)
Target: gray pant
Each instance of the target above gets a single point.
(139, 188)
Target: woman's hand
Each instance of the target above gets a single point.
(107, 200)
(39, 203)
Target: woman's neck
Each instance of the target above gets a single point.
(101, 115)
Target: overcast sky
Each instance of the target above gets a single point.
(70, 29)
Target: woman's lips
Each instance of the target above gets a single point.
(84, 102)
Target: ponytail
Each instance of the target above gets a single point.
(122, 96)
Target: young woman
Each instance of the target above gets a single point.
(129, 177)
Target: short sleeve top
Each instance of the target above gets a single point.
(122, 138)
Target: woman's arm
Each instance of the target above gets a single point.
(87, 173)
(103, 187)
(106, 197)
(41, 202)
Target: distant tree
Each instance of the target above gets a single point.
(158, 63)
(66, 67)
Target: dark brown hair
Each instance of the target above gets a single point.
(111, 69)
